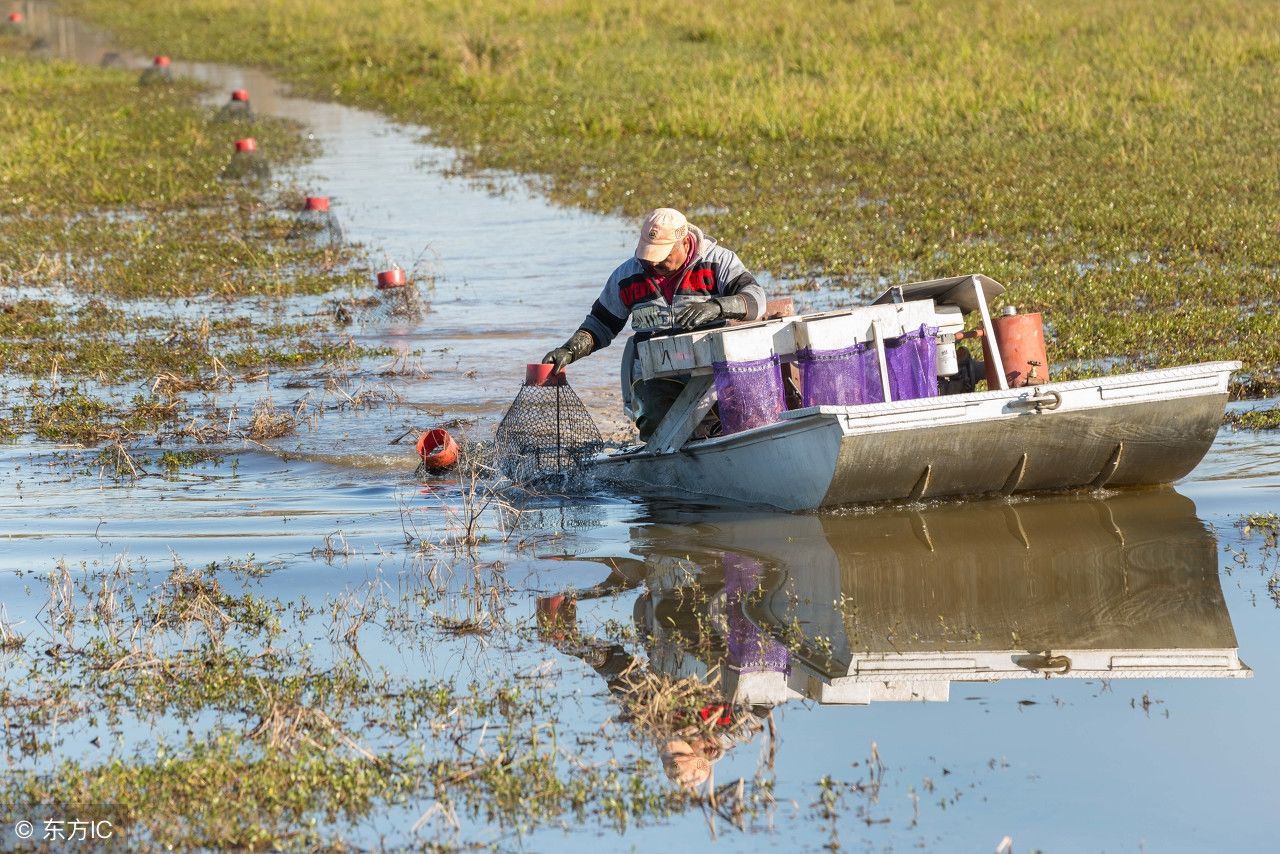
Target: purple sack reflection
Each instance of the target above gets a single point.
(750, 393)
(751, 650)
(850, 376)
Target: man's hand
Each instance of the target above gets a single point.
(561, 357)
(699, 314)
(579, 344)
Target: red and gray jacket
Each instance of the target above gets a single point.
(631, 292)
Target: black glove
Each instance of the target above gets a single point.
(699, 314)
(579, 344)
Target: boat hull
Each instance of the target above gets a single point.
(1126, 430)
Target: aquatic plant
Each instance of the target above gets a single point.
(255, 739)
(1262, 418)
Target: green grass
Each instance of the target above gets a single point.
(79, 138)
(1263, 418)
(1113, 163)
(111, 188)
(111, 346)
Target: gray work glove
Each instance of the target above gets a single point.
(699, 314)
(579, 344)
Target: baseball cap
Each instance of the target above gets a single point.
(662, 229)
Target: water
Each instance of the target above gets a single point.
(966, 605)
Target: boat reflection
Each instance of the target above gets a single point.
(899, 603)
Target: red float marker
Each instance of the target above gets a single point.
(15, 17)
(317, 224)
(246, 144)
(543, 375)
(160, 62)
(393, 278)
(438, 450)
(240, 95)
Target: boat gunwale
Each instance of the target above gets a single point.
(1136, 378)
(765, 432)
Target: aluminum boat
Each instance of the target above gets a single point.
(1123, 430)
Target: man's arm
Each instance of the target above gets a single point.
(738, 294)
(733, 279)
(602, 324)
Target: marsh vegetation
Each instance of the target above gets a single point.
(1114, 163)
(115, 221)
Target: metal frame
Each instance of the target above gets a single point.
(989, 329)
(684, 416)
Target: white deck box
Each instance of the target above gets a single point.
(694, 352)
(839, 329)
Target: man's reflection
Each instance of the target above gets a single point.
(692, 738)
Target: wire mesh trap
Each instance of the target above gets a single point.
(547, 432)
(400, 303)
(246, 164)
(237, 109)
(316, 224)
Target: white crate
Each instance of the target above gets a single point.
(839, 329)
(673, 354)
(948, 318)
(752, 341)
(694, 352)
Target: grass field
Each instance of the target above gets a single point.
(1114, 163)
(114, 189)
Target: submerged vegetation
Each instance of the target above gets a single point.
(140, 292)
(1261, 418)
(1263, 555)
(1113, 163)
(226, 726)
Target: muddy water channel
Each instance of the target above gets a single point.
(1083, 672)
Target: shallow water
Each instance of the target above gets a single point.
(965, 605)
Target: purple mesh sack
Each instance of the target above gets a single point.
(850, 376)
(750, 393)
(912, 363)
(845, 377)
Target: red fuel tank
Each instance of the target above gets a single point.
(1020, 338)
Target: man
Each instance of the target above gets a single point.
(679, 279)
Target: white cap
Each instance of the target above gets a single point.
(662, 229)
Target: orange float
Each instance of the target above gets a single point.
(391, 279)
(438, 450)
(544, 375)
